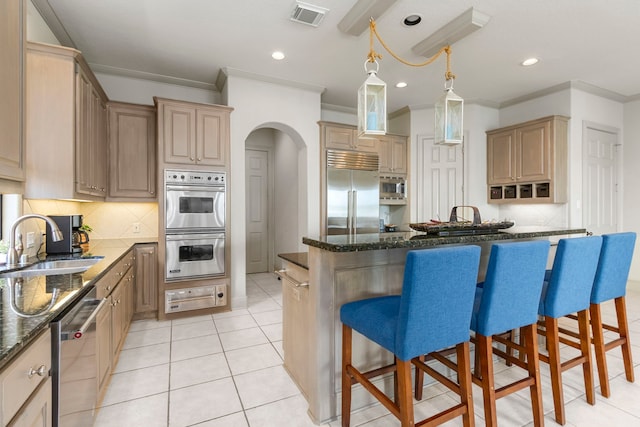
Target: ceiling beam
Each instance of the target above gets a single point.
(457, 29)
(356, 21)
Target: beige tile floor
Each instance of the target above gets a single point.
(226, 370)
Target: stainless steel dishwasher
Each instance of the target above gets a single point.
(74, 363)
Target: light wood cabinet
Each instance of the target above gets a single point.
(296, 309)
(132, 152)
(345, 137)
(66, 126)
(193, 134)
(113, 320)
(527, 163)
(392, 152)
(25, 386)
(146, 283)
(12, 35)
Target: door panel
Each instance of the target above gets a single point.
(440, 180)
(366, 187)
(257, 219)
(600, 181)
(338, 196)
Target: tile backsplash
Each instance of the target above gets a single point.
(108, 220)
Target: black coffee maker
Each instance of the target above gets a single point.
(73, 237)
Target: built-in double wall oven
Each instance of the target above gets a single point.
(195, 224)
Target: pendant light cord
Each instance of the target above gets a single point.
(373, 55)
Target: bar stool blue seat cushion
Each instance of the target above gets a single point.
(613, 267)
(434, 309)
(568, 286)
(510, 294)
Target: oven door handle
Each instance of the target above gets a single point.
(79, 333)
(193, 236)
(207, 189)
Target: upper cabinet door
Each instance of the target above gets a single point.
(132, 151)
(179, 132)
(533, 152)
(12, 36)
(501, 158)
(211, 133)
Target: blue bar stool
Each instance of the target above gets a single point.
(567, 291)
(508, 299)
(432, 313)
(611, 284)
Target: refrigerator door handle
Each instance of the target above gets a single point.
(355, 210)
(349, 212)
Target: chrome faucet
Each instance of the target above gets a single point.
(12, 254)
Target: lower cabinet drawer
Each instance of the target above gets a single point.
(19, 380)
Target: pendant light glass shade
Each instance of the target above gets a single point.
(449, 118)
(372, 106)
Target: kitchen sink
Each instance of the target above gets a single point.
(48, 268)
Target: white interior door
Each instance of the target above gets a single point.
(257, 204)
(439, 176)
(600, 186)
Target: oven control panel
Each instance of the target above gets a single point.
(194, 177)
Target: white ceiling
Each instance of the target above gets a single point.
(591, 41)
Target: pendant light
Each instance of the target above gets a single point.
(372, 98)
(449, 118)
(372, 104)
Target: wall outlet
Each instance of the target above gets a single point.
(30, 239)
(136, 227)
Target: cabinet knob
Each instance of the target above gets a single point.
(41, 371)
(199, 159)
(192, 159)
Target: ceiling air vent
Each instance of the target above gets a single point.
(308, 14)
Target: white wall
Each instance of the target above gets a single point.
(139, 91)
(292, 110)
(586, 107)
(631, 174)
(37, 29)
(287, 197)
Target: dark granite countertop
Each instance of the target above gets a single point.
(416, 240)
(301, 259)
(27, 306)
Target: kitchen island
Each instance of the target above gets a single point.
(347, 268)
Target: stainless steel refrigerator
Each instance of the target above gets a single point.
(353, 193)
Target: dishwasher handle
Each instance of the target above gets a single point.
(78, 333)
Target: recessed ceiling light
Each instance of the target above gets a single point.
(411, 20)
(277, 55)
(401, 84)
(529, 61)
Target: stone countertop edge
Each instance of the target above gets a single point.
(117, 248)
(301, 259)
(416, 240)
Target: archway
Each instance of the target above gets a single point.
(276, 196)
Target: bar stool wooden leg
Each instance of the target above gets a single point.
(484, 349)
(533, 366)
(419, 383)
(585, 349)
(599, 350)
(553, 347)
(405, 397)
(464, 378)
(346, 378)
(621, 312)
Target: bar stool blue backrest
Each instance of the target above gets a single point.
(511, 291)
(434, 309)
(613, 268)
(571, 280)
